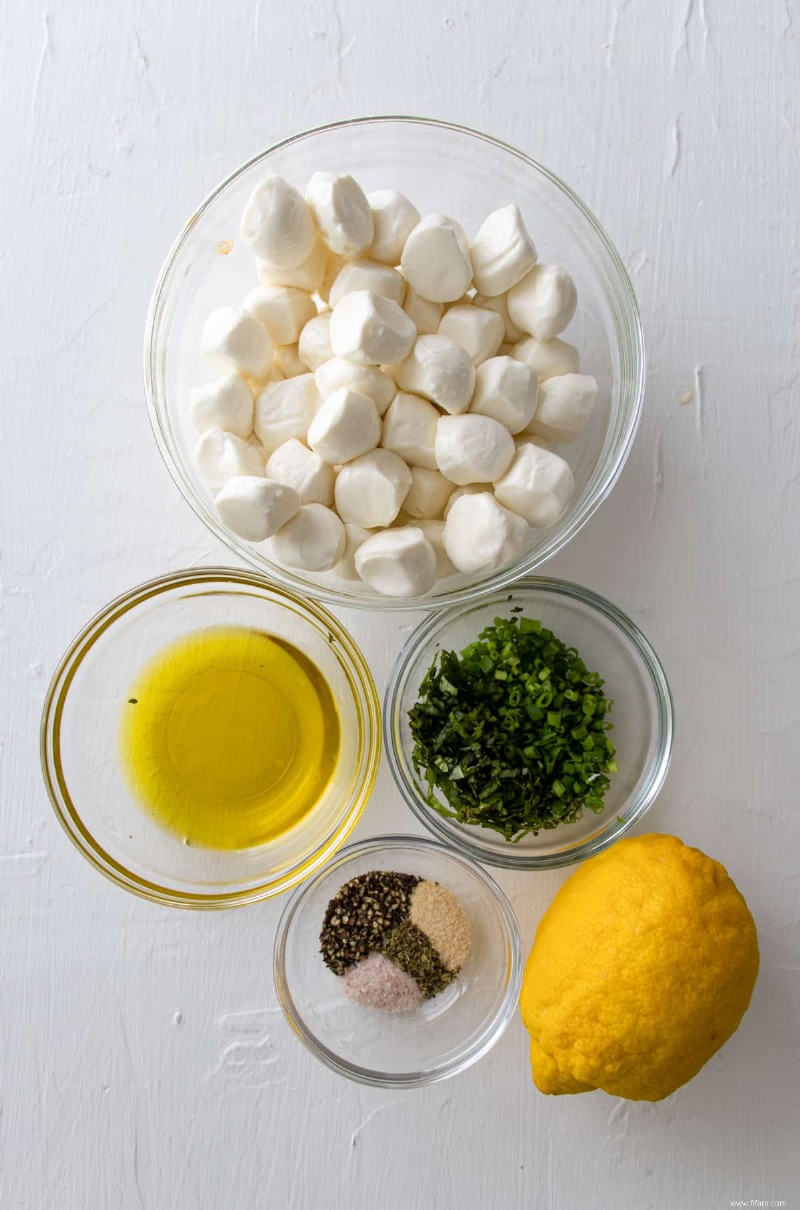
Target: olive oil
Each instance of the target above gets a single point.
(229, 737)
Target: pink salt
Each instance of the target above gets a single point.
(378, 983)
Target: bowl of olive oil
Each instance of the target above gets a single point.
(210, 739)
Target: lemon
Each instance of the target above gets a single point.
(641, 969)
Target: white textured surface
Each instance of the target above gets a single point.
(144, 1060)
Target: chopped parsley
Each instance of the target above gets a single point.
(512, 732)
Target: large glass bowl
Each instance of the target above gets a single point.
(443, 1036)
(81, 752)
(444, 169)
(609, 643)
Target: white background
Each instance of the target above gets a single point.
(144, 1061)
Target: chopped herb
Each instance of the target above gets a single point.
(511, 732)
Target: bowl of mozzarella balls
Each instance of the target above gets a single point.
(394, 363)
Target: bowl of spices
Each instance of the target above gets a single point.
(532, 729)
(210, 738)
(398, 964)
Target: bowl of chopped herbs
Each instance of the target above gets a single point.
(530, 729)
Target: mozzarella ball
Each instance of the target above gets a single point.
(285, 409)
(502, 251)
(393, 220)
(222, 456)
(397, 562)
(234, 339)
(425, 315)
(528, 437)
(342, 213)
(288, 361)
(278, 225)
(538, 485)
(547, 357)
(438, 369)
(313, 539)
(564, 406)
(435, 259)
(354, 535)
(283, 310)
(333, 268)
(544, 301)
(481, 535)
(314, 345)
(224, 404)
(472, 449)
(469, 489)
(479, 332)
(434, 532)
(256, 508)
(371, 330)
(301, 469)
(346, 425)
(428, 494)
(464, 301)
(367, 275)
(409, 429)
(505, 390)
(370, 490)
(306, 276)
(499, 304)
(338, 372)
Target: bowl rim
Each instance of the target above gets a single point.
(69, 815)
(606, 835)
(505, 576)
(489, 1035)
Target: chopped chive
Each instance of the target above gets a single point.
(511, 733)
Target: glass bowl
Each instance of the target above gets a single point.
(610, 644)
(442, 1037)
(80, 740)
(442, 168)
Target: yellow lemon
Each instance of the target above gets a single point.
(642, 967)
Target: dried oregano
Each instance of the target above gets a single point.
(410, 949)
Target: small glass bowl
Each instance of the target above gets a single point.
(80, 740)
(610, 644)
(442, 1037)
(443, 168)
